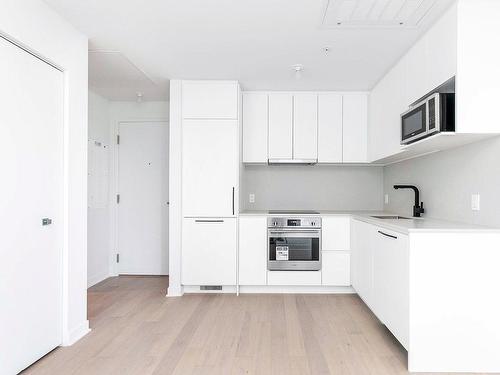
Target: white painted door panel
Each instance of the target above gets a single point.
(362, 237)
(209, 251)
(252, 260)
(209, 100)
(255, 118)
(391, 282)
(143, 207)
(31, 161)
(280, 126)
(210, 168)
(330, 128)
(305, 126)
(335, 268)
(336, 233)
(355, 128)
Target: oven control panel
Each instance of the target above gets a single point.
(294, 222)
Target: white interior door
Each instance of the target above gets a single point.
(143, 204)
(31, 161)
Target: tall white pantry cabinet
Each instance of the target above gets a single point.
(210, 182)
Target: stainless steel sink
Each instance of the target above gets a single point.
(392, 217)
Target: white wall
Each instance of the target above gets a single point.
(36, 26)
(312, 187)
(98, 214)
(446, 181)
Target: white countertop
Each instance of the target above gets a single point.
(405, 226)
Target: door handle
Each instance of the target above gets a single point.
(387, 235)
(46, 221)
(233, 200)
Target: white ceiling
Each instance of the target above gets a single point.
(253, 41)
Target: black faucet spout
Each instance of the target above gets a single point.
(418, 208)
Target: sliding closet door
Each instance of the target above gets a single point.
(31, 196)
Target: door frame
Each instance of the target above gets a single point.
(114, 185)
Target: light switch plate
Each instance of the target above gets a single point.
(251, 198)
(386, 199)
(476, 202)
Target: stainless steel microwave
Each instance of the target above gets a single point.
(433, 115)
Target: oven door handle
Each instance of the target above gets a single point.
(293, 233)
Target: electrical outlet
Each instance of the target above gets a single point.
(476, 202)
(251, 198)
(386, 199)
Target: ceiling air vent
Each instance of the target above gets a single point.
(376, 13)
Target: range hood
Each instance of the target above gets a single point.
(292, 161)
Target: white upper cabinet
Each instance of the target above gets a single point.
(210, 168)
(280, 126)
(330, 128)
(305, 126)
(210, 99)
(255, 119)
(355, 128)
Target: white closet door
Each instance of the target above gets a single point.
(31, 161)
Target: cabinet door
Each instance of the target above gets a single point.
(330, 128)
(391, 282)
(336, 233)
(252, 260)
(255, 117)
(336, 268)
(280, 126)
(305, 126)
(209, 251)
(210, 100)
(210, 168)
(362, 237)
(355, 128)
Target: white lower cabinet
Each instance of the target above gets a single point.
(335, 268)
(209, 251)
(391, 282)
(380, 275)
(294, 278)
(252, 260)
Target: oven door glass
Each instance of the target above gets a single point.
(414, 124)
(294, 251)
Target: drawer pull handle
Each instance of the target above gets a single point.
(208, 221)
(387, 235)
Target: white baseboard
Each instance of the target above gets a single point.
(76, 334)
(297, 289)
(92, 280)
(280, 289)
(175, 291)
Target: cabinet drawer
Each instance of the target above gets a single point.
(209, 100)
(294, 278)
(336, 233)
(336, 268)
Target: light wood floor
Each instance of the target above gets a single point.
(137, 330)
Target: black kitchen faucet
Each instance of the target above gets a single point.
(418, 208)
